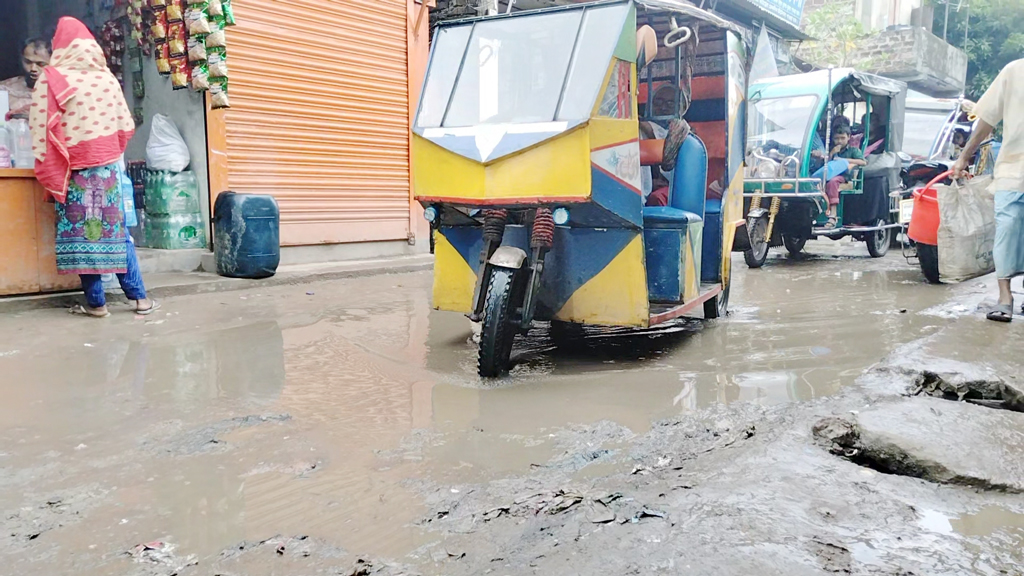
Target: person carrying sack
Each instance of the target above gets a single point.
(1003, 102)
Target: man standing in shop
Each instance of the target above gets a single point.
(35, 55)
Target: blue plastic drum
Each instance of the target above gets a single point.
(246, 235)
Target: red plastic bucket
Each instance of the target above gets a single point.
(924, 222)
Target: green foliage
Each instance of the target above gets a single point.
(995, 36)
(837, 32)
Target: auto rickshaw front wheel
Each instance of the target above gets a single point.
(879, 241)
(794, 244)
(499, 325)
(757, 230)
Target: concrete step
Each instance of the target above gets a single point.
(167, 284)
(152, 261)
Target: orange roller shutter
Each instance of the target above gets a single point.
(320, 116)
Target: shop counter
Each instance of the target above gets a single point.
(27, 230)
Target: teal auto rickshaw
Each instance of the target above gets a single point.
(790, 128)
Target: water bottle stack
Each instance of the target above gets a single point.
(173, 217)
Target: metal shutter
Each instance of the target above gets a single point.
(320, 116)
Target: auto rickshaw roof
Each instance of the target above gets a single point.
(680, 7)
(847, 85)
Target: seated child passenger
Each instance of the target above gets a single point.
(853, 156)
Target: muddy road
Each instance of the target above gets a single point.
(845, 418)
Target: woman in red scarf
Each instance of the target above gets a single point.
(81, 125)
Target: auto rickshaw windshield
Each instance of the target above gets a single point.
(781, 123)
(524, 69)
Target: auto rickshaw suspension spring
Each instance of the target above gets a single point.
(543, 229)
(494, 225)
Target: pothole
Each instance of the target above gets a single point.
(988, 392)
(846, 439)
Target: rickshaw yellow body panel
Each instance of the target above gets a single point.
(556, 170)
(616, 296)
(454, 278)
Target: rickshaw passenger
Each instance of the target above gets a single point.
(655, 184)
(853, 156)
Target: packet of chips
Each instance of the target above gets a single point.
(176, 39)
(157, 4)
(196, 49)
(218, 62)
(215, 8)
(158, 29)
(229, 13)
(197, 20)
(163, 59)
(219, 94)
(175, 12)
(217, 37)
(181, 72)
(138, 87)
(200, 77)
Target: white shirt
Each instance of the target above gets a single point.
(647, 175)
(1004, 102)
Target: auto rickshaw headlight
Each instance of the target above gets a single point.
(430, 213)
(560, 216)
(767, 169)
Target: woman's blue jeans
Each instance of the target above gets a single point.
(131, 282)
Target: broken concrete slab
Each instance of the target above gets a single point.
(935, 440)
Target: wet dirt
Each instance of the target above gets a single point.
(340, 428)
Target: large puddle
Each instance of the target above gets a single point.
(380, 389)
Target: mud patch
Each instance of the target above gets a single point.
(206, 440)
(30, 523)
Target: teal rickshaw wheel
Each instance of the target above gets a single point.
(499, 327)
(880, 241)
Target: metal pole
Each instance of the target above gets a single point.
(828, 130)
(945, 26)
(967, 26)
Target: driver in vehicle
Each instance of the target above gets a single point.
(841, 150)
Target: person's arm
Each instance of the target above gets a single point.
(981, 133)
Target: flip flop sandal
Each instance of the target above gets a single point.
(152, 308)
(832, 223)
(79, 310)
(1001, 313)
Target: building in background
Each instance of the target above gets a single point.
(894, 39)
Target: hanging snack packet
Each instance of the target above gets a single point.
(175, 13)
(217, 38)
(229, 13)
(176, 39)
(157, 4)
(163, 59)
(158, 29)
(181, 72)
(215, 8)
(196, 49)
(197, 20)
(200, 77)
(218, 63)
(219, 94)
(192, 2)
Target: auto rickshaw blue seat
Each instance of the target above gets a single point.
(686, 201)
(673, 235)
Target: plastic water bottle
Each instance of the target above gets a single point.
(21, 143)
(6, 154)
